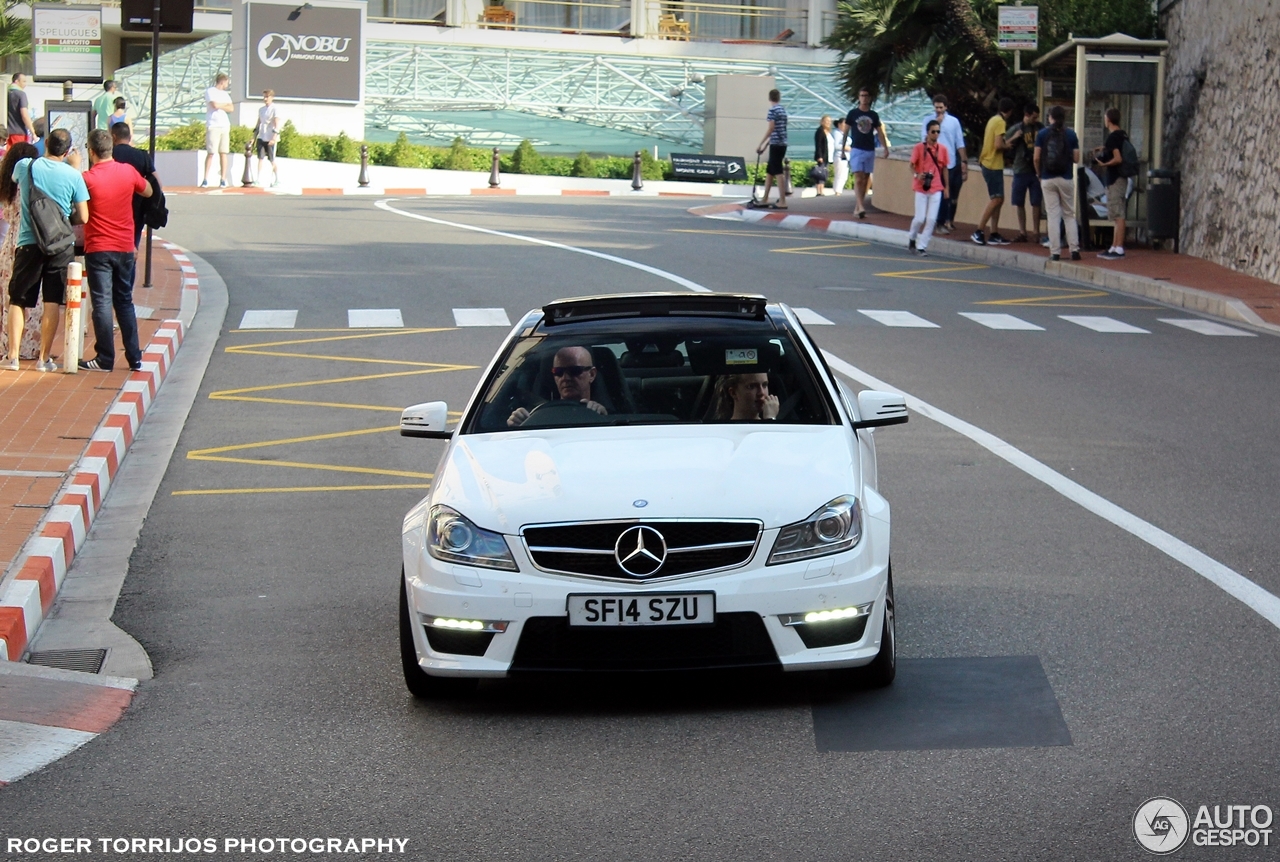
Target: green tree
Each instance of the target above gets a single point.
(583, 166)
(525, 160)
(948, 46)
(15, 33)
(459, 158)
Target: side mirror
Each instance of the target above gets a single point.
(426, 420)
(880, 408)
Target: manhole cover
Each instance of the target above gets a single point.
(84, 660)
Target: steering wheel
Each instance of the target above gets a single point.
(561, 413)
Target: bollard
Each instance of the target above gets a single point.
(495, 178)
(67, 87)
(246, 179)
(71, 328)
(785, 182)
(637, 181)
(363, 180)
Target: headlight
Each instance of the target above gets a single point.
(452, 537)
(835, 527)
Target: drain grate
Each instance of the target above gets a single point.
(84, 660)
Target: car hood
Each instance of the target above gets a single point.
(508, 480)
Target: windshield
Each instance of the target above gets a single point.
(650, 372)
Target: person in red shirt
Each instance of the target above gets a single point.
(110, 257)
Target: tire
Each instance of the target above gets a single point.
(420, 683)
(884, 667)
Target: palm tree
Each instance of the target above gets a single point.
(15, 33)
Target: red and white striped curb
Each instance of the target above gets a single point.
(443, 191)
(27, 599)
(787, 221)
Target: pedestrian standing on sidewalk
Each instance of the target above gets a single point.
(120, 112)
(862, 125)
(29, 348)
(268, 135)
(775, 138)
(35, 274)
(217, 122)
(824, 146)
(1056, 154)
(951, 136)
(1022, 142)
(123, 151)
(20, 128)
(110, 252)
(1111, 156)
(992, 162)
(104, 104)
(840, 160)
(931, 183)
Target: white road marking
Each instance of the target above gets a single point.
(374, 318)
(24, 747)
(898, 318)
(809, 317)
(1206, 327)
(1265, 604)
(652, 270)
(1101, 324)
(269, 319)
(1001, 321)
(1235, 584)
(481, 317)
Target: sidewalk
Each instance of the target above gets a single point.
(1177, 279)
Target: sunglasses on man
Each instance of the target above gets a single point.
(571, 370)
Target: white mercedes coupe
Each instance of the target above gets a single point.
(653, 482)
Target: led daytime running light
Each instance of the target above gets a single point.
(467, 625)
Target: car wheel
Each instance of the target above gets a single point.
(884, 667)
(420, 683)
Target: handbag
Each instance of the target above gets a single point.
(818, 173)
(54, 235)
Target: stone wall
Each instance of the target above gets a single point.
(1222, 129)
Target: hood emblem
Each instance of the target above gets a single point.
(640, 504)
(640, 551)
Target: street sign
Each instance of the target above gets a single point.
(67, 43)
(695, 166)
(1019, 28)
(176, 16)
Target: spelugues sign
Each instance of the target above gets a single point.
(305, 53)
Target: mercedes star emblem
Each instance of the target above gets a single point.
(640, 551)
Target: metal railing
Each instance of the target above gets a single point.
(738, 22)
(604, 17)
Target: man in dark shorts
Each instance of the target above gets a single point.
(36, 274)
(124, 151)
(861, 127)
(20, 128)
(775, 138)
(1021, 138)
(1111, 156)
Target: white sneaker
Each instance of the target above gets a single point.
(10, 365)
(46, 365)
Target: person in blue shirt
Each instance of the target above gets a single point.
(951, 136)
(775, 138)
(1056, 155)
(36, 274)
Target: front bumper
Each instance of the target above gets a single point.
(751, 602)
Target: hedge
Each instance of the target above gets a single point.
(525, 159)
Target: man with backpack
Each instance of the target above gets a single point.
(1118, 156)
(1056, 154)
(39, 272)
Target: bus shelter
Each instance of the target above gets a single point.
(1087, 76)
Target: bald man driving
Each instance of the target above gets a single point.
(574, 373)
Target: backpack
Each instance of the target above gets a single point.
(1057, 161)
(1128, 159)
(155, 214)
(54, 235)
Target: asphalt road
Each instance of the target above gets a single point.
(264, 583)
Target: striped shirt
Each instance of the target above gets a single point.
(778, 116)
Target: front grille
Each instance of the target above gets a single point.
(735, 640)
(456, 642)
(692, 547)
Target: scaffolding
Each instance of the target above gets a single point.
(406, 83)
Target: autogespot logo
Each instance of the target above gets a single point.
(276, 49)
(1160, 825)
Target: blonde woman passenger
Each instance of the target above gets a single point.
(745, 397)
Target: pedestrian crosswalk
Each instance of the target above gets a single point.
(393, 318)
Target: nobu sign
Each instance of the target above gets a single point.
(699, 167)
(307, 52)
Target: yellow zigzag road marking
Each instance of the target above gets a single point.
(925, 273)
(211, 454)
(302, 489)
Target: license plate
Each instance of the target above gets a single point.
(667, 609)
